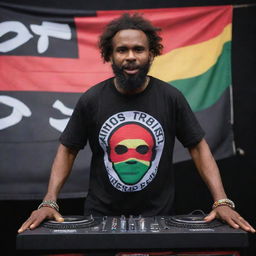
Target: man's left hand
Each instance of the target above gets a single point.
(231, 217)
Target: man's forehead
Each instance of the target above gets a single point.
(130, 37)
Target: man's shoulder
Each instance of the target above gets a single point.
(96, 89)
(91, 96)
(166, 87)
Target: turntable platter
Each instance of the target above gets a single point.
(71, 222)
(192, 221)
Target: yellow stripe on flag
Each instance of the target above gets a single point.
(190, 61)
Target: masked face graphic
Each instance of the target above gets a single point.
(131, 150)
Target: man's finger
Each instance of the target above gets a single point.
(58, 217)
(232, 223)
(36, 222)
(211, 216)
(244, 224)
(25, 225)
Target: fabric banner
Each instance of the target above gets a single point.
(49, 57)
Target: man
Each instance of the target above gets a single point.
(131, 122)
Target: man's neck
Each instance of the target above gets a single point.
(135, 91)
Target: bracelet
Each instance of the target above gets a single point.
(49, 203)
(224, 202)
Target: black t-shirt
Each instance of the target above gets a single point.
(132, 139)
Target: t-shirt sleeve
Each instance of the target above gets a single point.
(76, 132)
(188, 130)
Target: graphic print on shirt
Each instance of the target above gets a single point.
(133, 142)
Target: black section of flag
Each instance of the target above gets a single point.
(25, 170)
(30, 34)
(28, 147)
(219, 131)
(35, 127)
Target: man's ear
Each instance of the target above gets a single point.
(111, 59)
(151, 58)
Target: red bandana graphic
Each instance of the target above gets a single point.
(133, 142)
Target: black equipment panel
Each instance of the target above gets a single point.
(132, 233)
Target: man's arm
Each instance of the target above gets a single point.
(61, 168)
(209, 171)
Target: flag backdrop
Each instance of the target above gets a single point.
(49, 57)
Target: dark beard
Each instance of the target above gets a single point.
(131, 82)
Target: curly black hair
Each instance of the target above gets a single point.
(129, 21)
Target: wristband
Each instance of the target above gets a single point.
(224, 202)
(49, 203)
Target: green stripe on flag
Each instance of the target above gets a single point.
(204, 90)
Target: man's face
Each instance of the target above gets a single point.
(131, 58)
(131, 152)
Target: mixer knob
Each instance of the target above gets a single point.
(114, 224)
(131, 223)
(154, 227)
(123, 223)
(104, 223)
(142, 226)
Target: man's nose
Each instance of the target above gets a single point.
(130, 56)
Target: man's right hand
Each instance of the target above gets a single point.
(38, 216)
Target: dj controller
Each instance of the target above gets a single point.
(131, 233)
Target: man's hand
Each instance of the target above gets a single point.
(231, 217)
(38, 216)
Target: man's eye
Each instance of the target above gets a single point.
(139, 49)
(121, 50)
(121, 149)
(142, 149)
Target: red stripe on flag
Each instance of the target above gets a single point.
(181, 27)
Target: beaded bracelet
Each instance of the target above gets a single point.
(49, 203)
(224, 202)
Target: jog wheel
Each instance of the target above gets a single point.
(193, 220)
(71, 222)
